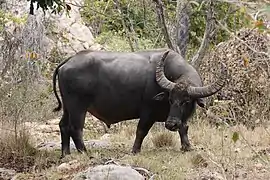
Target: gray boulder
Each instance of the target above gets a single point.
(109, 172)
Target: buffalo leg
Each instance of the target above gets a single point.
(183, 132)
(77, 119)
(65, 134)
(143, 128)
(77, 112)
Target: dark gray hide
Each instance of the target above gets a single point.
(119, 86)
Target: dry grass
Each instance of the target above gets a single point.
(214, 150)
(163, 139)
(16, 151)
(215, 154)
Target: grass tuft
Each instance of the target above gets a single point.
(16, 151)
(163, 139)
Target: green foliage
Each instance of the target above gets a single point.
(235, 137)
(115, 42)
(228, 14)
(3, 19)
(6, 17)
(103, 17)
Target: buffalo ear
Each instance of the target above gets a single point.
(160, 96)
(201, 102)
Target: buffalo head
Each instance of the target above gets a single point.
(182, 96)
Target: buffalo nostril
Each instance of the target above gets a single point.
(171, 126)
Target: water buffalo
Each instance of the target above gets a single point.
(154, 86)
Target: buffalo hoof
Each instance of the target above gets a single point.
(135, 151)
(64, 154)
(186, 148)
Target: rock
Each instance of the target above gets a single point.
(6, 173)
(144, 172)
(205, 174)
(43, 128)
(72, 34)
(63, 166)
(53, 121)
(212, 176)
(88, 144)
(97, 144)
(30, 124)
(259, 165)
(69, 34)
(68, 166)
(48, 146)
(109, 172)
(106, 137)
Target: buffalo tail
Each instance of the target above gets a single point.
(58, 108)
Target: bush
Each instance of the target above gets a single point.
(115, 42)
(246, 97)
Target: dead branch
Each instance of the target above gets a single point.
(161, 19)
(210, 24)
(183, 23)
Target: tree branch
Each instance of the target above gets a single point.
(210, 24)
(131, 28)
(161, 19)
(124, 24)
(31, 8)
(183, 23)
(92, 9)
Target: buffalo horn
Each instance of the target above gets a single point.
(205, 91)
(160, 76)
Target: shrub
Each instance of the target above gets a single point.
(245, 99)
(163, 139)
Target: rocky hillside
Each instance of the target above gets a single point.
(62, 31)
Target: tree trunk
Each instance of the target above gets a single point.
(182, 27)
(161, 20)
